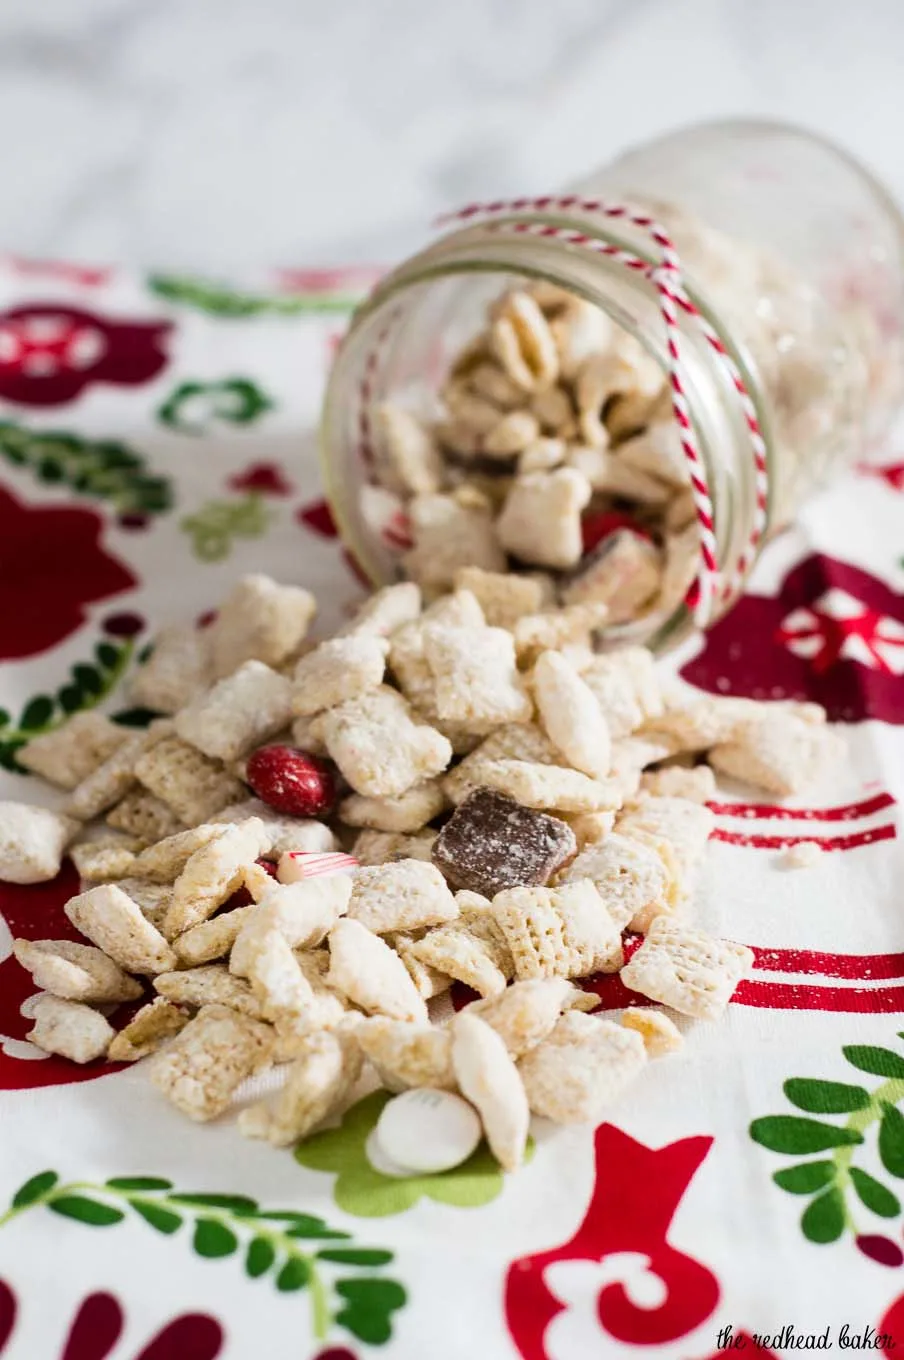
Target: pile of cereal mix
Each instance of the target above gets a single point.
(556, 457)
(313, 843)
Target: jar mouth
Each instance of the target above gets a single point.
(469, 254)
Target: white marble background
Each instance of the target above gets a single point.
(218, 134)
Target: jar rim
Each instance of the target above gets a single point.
(434, 264)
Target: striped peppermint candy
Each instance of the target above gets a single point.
(297, 865)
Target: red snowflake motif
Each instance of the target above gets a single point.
(52, 566)
(833, 634)
(98, 1325)
(636, 1194)
(266, 478)
(35, 913)
(890, 473)
(838, 626)
(49, 353)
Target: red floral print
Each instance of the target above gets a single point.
(98, 1325)
(7, 1313)
(833, 634)
(84, 275)
(353, 279)
(318, 517)
(52, 566)
(635, 1196)
(266, 478)
(35, 913)
(49, 353)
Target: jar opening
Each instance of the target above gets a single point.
(408, 334)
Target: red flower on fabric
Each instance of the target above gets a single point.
(833, 634)
(267, 478)
(98, 1324)
(35, 913)
(49, 353)
(52, 566)
(318, 517)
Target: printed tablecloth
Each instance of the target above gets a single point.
(156, 441)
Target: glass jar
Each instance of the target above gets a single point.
(792, 252)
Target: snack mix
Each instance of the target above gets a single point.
(315, 843)
(553, 485)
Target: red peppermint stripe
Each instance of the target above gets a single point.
(856, 967)
(847, 812)
(796, 996)
(315, 864)
(777, 996)
(853, 841)
(769, 995)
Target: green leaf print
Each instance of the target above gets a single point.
(788, 1133)
(86, 1210)
(162, 1219)
(891, 1140)
(805, 1178)
(874, 1194)
(101, 468)
(295, 1274)
(213, 528)
(259, 1258)
(213, 1238)
(220, 300)
(823, 1219)
(138, 1183)
(193, 406)
(33, 1189)
(825, 1097)
(882, 1062)
(368, 1308)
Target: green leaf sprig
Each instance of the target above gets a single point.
(835, 1182)
(89, 684)
(296, 1250)
(103, 468)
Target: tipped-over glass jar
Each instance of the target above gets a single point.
(790, 251)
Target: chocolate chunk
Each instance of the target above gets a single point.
(491, 842)
(482, 464)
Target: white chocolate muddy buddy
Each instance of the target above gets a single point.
(554, 467)
(470, 802)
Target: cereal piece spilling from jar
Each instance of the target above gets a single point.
(557, 452)
(522, 803)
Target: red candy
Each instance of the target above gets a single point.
(292, 781)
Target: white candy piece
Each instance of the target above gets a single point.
(378, 1159)
(427, 1131)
